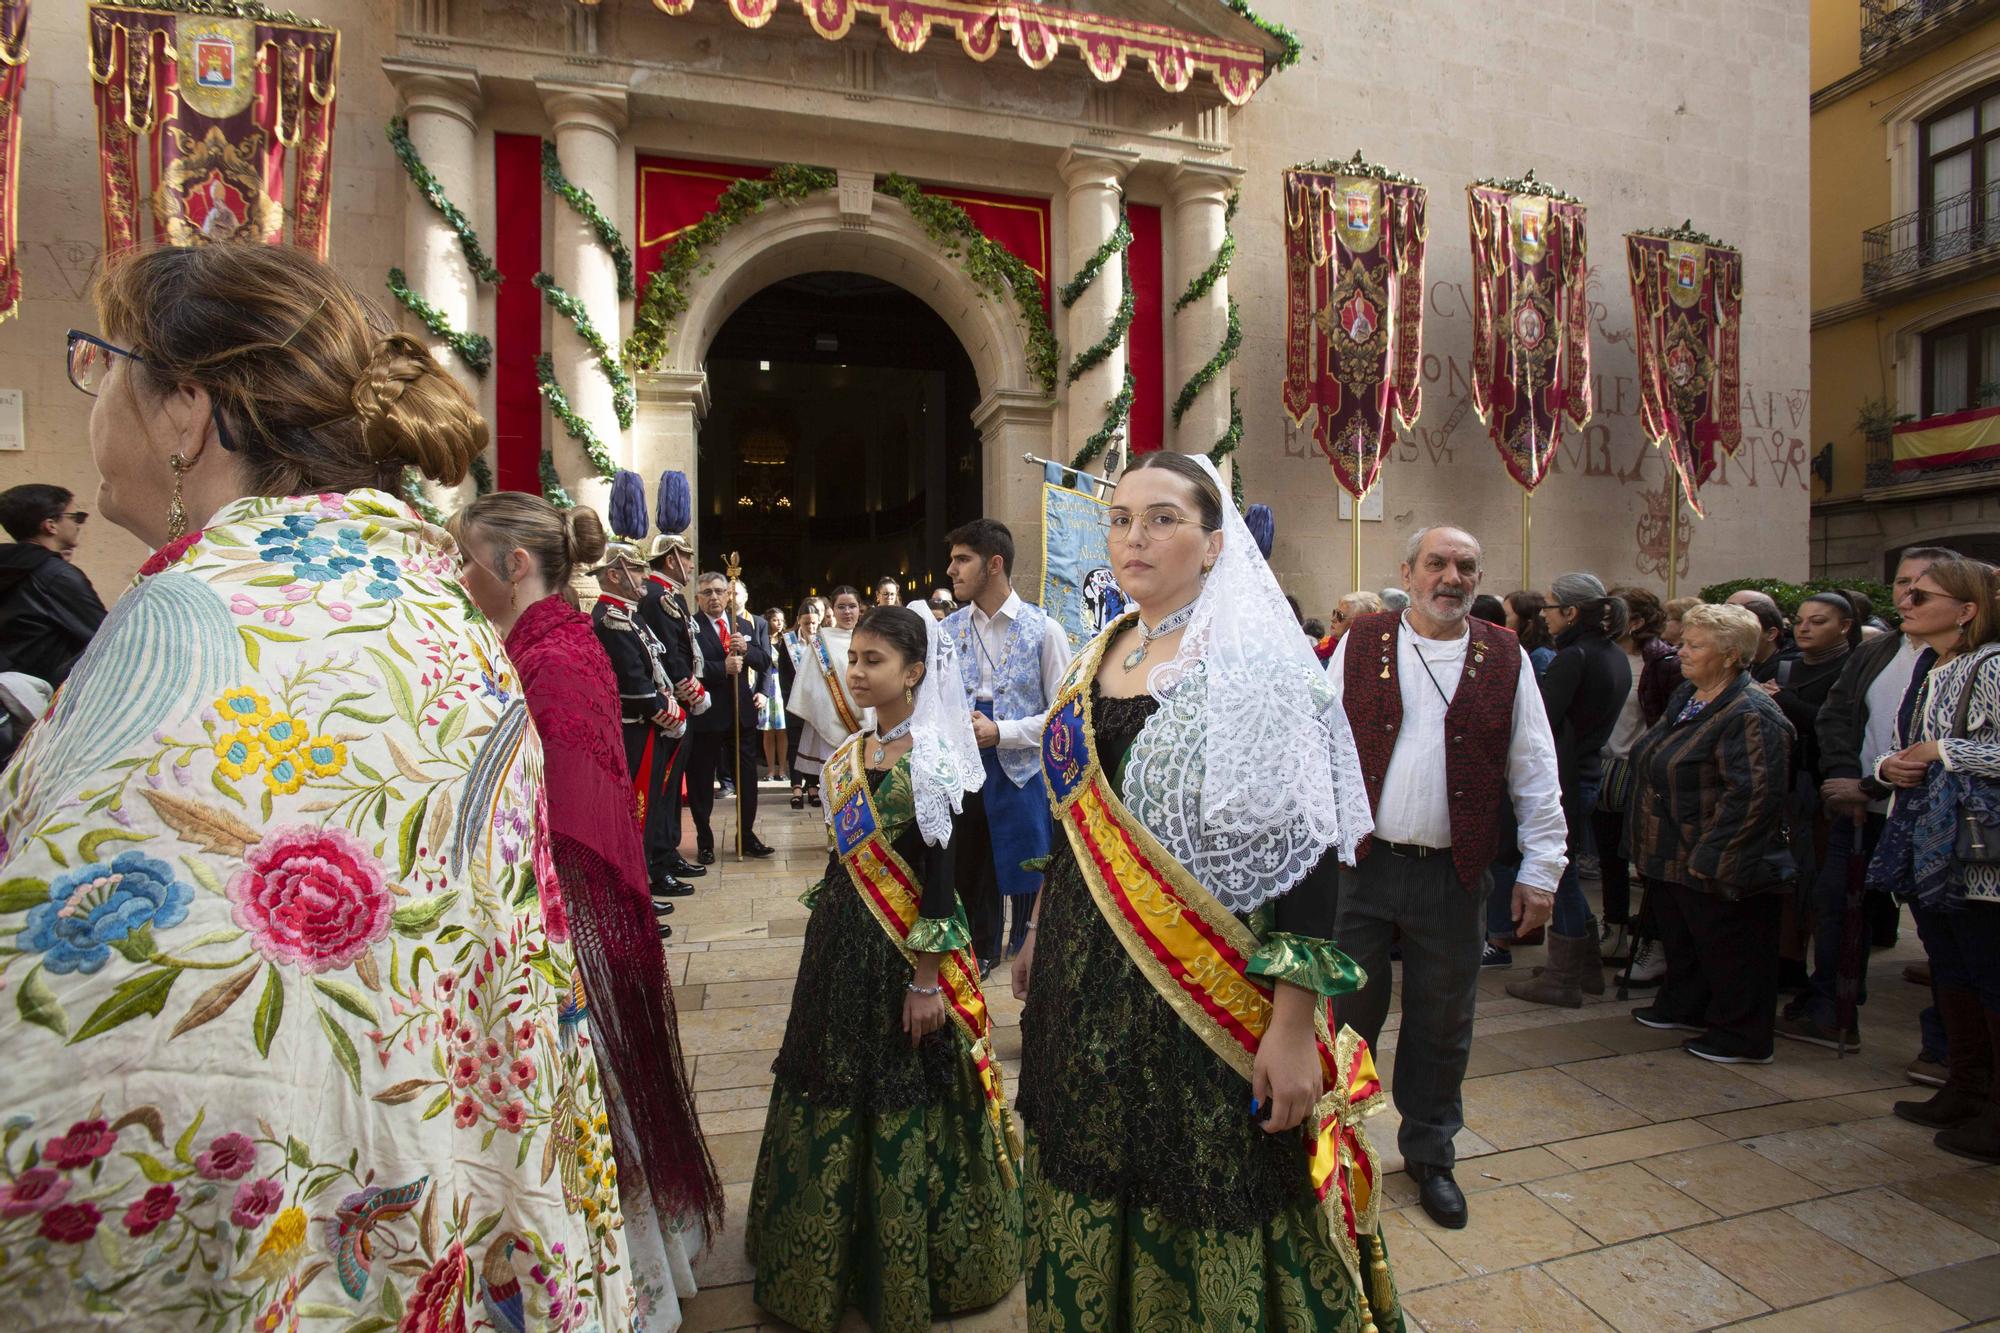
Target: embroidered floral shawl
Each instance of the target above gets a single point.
(285, 1037)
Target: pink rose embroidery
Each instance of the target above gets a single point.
(229, 1157)
(311, 898)
(438, 1304)
(157, 1206)
(86, 1141)
(255, 1200)
(32, 1191)
(71, 1224)
(169, 555)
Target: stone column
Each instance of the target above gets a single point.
(1013, 422)
(1092, 176)
(587, 120)
(672, 404)
(442, 103)
(1201, 198)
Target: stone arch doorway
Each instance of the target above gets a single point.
(856, 232)
(839, 444)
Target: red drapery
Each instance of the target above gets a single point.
(1145, 347)
(517, 249)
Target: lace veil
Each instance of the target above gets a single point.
(1248, 772)
(944, 754)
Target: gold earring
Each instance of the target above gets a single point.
(177, 519)
(909, 694)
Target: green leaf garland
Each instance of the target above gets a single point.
(1226, 446)
(1116, 413)
(1118, 410)
(622, 396)
(1202, 283)
(433, 192)
(1121, 319)
(552, 488)
(1232, 343)
(579, 429)
(482, 475)
(475, 349)
(1121, 237)
(413, 491)
(1285, 37)
(586, 208)
(993, 268)
(666, 297)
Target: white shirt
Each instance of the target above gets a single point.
(989, 653)
(1884, 699)
(1415, 806)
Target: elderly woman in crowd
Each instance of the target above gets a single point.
(1946, 778)
(1707, 827)
(1584, 689)
(292, 769)
(1676, 609)
(1656, 674)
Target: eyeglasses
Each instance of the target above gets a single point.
(1340, 617)
(1160, 523)
(76, 516)
(1921, 596)
(90, 366)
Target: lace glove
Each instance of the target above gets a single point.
(1312, 964)
(938, 934)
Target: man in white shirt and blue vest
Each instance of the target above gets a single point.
(1012, 657)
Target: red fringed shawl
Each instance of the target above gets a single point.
(593, 840)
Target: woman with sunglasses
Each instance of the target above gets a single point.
(1946, 774)
(275, 934)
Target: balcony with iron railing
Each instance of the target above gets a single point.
(1952, 240)
(1899, 28)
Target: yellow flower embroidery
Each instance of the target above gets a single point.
(286, 775)
(241, 753)
(280, 1250)
(283, 734)
(323, 756)
(243, 706)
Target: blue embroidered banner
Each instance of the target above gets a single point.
(1078, 589)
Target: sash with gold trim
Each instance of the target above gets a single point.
(842, 709)
(1197, 954)
(890, 888)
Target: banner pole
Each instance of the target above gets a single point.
(1354, 524)
(1673, 531)
(1527, 534)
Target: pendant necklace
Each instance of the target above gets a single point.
(895, 733)
(1149, 633)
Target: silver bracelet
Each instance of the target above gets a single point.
(1031, 925)
(914, 989)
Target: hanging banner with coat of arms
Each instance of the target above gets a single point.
(1354, 310)
(13, 78)
(1687, 307)
(220, 98)
(1530, 320)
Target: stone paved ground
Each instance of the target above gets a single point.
(1614, 1181)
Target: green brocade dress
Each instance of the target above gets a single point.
(1154, 1203)
(877, 1184)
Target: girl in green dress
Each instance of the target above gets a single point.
(887, 1178)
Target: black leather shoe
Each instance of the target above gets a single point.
(666, 931)
(706, 856)
(661, 907)
(669, 887)
(1440, 1195)
(682, 868)
(752, 847)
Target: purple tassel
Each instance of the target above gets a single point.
(676, 504)
(1263, 527)
(628, 505)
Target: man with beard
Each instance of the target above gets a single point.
(1448, 720)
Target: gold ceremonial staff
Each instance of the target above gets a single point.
(732, 566)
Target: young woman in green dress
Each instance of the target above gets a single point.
(1195, 1153)
(887, 1179)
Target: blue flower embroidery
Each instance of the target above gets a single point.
(95, 906)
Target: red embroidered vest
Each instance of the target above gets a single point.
(1478, 726)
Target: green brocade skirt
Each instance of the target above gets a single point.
(1098, 1266)
(901, 1214)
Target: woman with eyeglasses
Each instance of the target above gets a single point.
(1940, 850)
(1180, 1068)
(283, 983)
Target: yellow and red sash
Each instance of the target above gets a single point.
(1197, 956)
(890, 888)
(842, 708)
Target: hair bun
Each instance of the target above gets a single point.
(584, 532)
(412, 412)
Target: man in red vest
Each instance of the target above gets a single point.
(1448, 723)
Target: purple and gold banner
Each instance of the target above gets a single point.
(1687, 306)
(1354, 311)
(218, 103)
(13, 78)
(1530, 324)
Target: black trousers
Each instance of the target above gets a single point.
(978, 884)
(662, 826)
(1722, 963)
(708, 756)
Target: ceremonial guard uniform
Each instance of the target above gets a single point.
(664, 612)
(644, 692)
